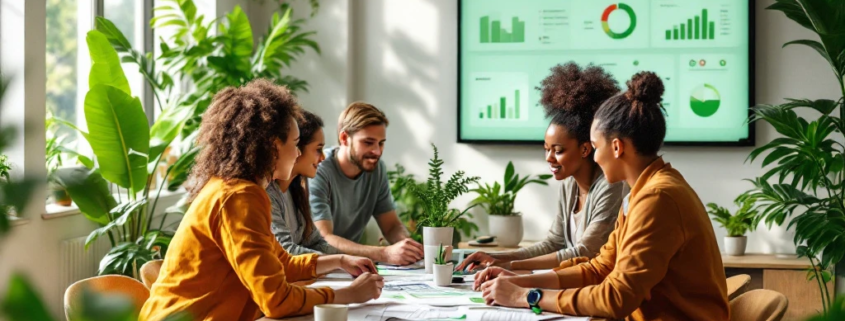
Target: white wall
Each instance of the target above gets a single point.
(402, 57)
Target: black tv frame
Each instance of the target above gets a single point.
(750, 141)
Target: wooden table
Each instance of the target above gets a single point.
(787, 275)
(466, 246)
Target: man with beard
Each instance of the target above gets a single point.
(351, 186)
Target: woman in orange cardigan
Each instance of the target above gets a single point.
(662, 261)
(224, 262)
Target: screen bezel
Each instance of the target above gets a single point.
(750, 141)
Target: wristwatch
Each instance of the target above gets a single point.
(534, 296)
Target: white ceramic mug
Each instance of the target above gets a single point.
(330, 312)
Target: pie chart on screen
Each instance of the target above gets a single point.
(705, 100)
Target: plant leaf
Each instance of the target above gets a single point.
(89, 191)
(22, 302)
(119, 136)
(106, 69)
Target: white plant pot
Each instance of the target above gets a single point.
(507, 229)
(430, 252)
(443, 274)
(437, 235)
(735, 246)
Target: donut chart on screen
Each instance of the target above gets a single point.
(606, 26)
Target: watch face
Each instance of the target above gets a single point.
(533, 296)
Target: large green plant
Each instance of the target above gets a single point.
(209, 62)
(195, 63)
(499, 199)
(20, 301)
(410, 209)
(127, 153)
(434, 196)
(807, 162)
(738, 223)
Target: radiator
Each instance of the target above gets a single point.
(78, 263)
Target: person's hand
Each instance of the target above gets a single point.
(503, 292)
(490, 273)
(480, 260)
(404, 252)
(366, 287)
(357, 265)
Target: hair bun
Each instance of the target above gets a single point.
(645, 87)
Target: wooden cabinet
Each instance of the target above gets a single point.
(784, 275)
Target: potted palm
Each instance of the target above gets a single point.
(438, 221)
(805, 164)
(498, 201)
(737, 225)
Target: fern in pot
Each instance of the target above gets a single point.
(438, 221)
(498, 200)
(738, 224)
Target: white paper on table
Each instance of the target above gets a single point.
(415, 266)
(404, 312)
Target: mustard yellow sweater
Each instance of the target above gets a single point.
(225, 264)
(660, 263)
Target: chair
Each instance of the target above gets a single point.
(759, 305)
(737, 285)
(110, 285)
(150, 271)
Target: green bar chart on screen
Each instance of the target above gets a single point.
(491, 30)
(695, 28)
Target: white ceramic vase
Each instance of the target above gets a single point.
(507, 229)
(735, 245)
(433, 237)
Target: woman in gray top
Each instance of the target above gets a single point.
(588, 205)
(291, 211)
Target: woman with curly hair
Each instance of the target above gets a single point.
(587, 203)
(292, 222)
(662, 261)
(223, 262)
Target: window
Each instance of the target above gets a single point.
(67, 63)
(128, 17)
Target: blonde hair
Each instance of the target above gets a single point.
(358, 115)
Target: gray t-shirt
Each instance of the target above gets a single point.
(349, 203)
(288, 226)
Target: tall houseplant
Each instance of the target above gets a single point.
(736, 224)
(438, 220)
(498, 200)
(807, 162)
(195, 63)
(127, 153)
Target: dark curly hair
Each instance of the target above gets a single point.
(571, 96)
(637, 114)
(309, 124)
(238, 130)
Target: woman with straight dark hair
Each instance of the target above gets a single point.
(292, 224)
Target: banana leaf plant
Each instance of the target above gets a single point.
(804, 176)
(127, 152)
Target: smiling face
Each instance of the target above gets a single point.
(607, 154)
(287, 153)
(563, 152)
(366, 146)
(312, 155)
